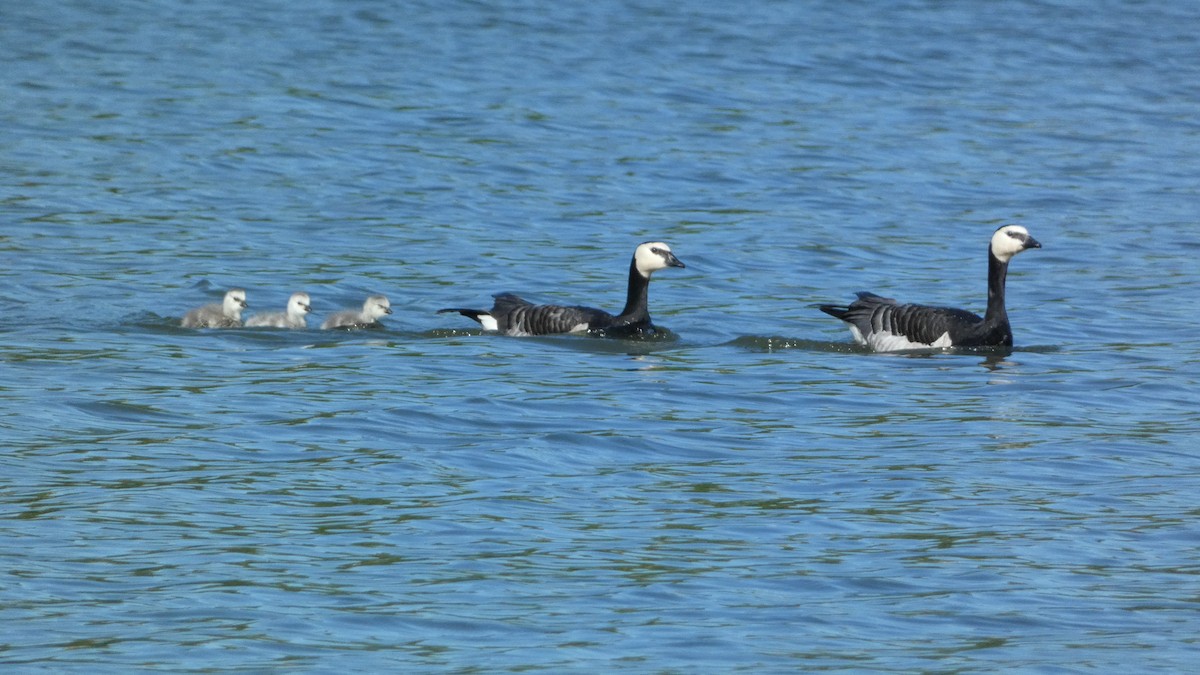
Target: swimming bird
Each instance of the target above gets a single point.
(375, 308)
(512, 315)
(293, 317)
(885, 325)
(227, 314)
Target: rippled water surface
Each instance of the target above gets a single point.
(747, 491)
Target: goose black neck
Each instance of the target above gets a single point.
(637, 302)
(997, 275)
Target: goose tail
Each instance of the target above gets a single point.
(837, 311)
(480, 316)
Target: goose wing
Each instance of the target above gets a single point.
(882, 317)
(517, 316)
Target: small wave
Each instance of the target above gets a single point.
(777, 343)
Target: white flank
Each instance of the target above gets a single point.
(579, 328)
(891, 342)
(888, 342)
(488, 321)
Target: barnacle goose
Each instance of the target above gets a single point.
(297, 307)
(513, 316)
(375, 308)
(885, 326)
(227, 314)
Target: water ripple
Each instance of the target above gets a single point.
(747, 490)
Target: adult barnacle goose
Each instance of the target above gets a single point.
(298, 306)
(885, 325)
(513, 316)
(227, 314)
(375, 308)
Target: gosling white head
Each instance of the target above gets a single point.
(653, 256)
(376, 307)
(235, 302)
(298, 306)
(1011, 240)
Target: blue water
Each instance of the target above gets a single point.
(749, 492)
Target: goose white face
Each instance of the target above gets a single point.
(235, 302)
(653, 256)
(299, 304)
(376, 307)
(1011, 240)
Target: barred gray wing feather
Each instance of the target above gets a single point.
(516, 316)
(923, 324)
